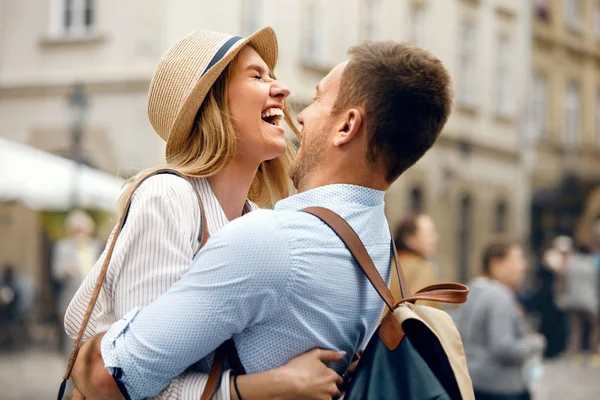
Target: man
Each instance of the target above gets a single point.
(281, 282)
(499, 348)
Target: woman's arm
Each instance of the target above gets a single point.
(304, 377)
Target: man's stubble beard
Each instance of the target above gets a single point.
(312, 156)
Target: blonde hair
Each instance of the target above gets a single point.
(212, 144)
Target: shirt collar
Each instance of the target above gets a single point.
(331, 196)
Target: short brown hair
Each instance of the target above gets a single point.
(407, 97)
(495, 251)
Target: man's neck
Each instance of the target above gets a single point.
(349, 176)
(231, 186)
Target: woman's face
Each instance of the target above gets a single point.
(255, 102)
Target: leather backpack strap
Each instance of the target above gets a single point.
(227, 351)
(203, 237)
(402, 282)
(356, 247)
(443, 292)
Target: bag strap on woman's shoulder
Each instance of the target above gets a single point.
(202, 238)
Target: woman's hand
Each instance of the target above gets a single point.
(305, 377)
(77, 395)
(309, 378)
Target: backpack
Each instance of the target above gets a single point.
(416, 353)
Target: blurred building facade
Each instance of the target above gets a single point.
(565, 135)
(474, 182)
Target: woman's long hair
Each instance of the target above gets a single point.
(211, 145)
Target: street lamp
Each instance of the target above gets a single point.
(77, 107)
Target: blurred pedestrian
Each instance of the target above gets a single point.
(73, 258)
(552, 319)
(579, 298)
(10, 315)
(416, 240)
(500, 349)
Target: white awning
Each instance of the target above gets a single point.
(44, 181)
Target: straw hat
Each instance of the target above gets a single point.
(186, 73)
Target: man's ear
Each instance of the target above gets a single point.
(349, 127)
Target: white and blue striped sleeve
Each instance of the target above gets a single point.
(239, 279)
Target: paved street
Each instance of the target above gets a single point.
(37, 375)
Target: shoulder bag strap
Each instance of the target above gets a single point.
(443, 292)
(203, 237)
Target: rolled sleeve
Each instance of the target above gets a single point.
(114, 360)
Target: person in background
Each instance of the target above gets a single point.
(73, 258)
(552, 320)
(416, 241)
(9, 309)
(579, 298)
(497, 342)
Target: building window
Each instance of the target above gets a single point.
(74, 17)
(416, 199)
(252, 16)
(314, 33)
(503, 84)
(597, 19)
(572, 114)
(597, 117)
(500, 217)
(573, 13)
(467, 65)
(540, 106)
(373, 20)
(464, 237)
(417, 26)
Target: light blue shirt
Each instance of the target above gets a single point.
(279, 282)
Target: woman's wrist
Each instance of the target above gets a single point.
(274, 384)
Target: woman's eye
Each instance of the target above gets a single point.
(257, 77)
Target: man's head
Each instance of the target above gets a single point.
(417, 233)
(506, 263)
(375, 114)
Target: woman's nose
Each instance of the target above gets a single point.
(278, 89)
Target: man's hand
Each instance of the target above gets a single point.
(91, 379)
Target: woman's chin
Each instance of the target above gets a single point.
(277, 148)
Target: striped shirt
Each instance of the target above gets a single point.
(155, 248)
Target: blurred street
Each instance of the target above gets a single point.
(37, 375)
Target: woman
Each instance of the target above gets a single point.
(416, 241)
(72, 259)
(216, 103)
(501, 352)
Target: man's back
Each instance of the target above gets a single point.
(328, 302)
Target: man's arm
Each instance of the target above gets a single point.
(238, 280)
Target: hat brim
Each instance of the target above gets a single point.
(264, 41)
